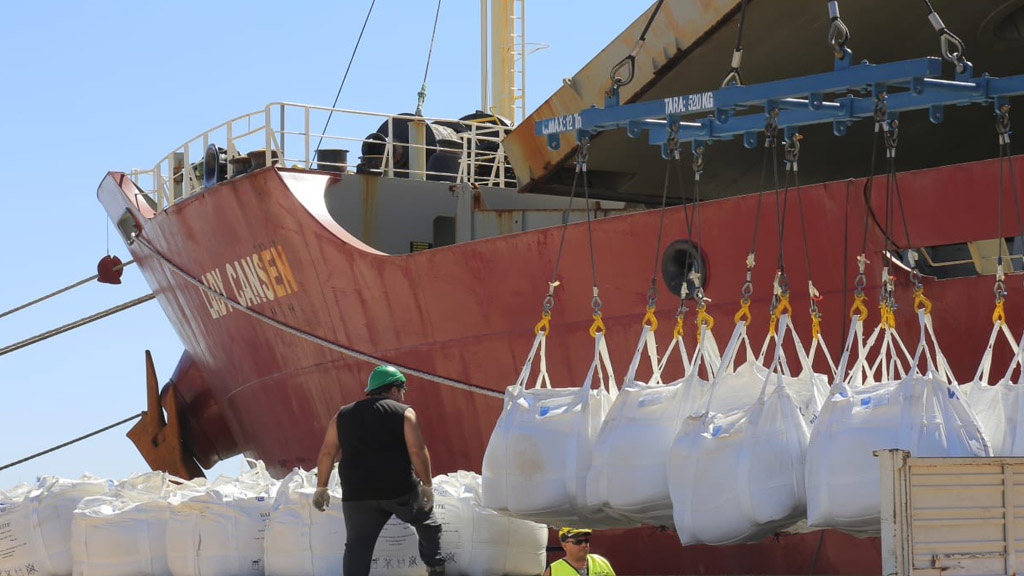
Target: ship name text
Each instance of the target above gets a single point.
(265, 275)
(701, 102)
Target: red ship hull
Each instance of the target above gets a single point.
(467, 312)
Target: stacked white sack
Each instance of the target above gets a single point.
(999, 408)
(301, 540)
(736, 469)
(539, 453)
(35, 524)
(629, 476)
(919, 412)
(218, 530)
(501, 546)
(123, 531)
(474, 541)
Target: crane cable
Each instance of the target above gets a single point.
(734, 78)
(629, 61)
(306, 335)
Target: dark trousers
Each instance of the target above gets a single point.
(364, 519)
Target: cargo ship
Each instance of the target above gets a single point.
(286, 269)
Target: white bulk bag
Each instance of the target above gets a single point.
(474, 541)
(37, 528)
(501, 546)
(17, 542)
(628, 477)
(999, 408)
(300, 540)
(737, 476)
(123, 531)
(218, 530)
(919, 412)
(536, 463)
(397, 550)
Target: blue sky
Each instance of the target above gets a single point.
(97, 86)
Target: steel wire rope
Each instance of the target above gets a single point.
(76, 324)
(70, 442)
(630, 59)
(1003, 131)
(734, 77)
(770, 130)
(549, 300)
(422, 94)
(343, 79)
(950, 45)
(781, 202)
(652, 292)
(312, 337)
(596, 303)
(794, 164)
(62, 290)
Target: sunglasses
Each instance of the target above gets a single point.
(579, 541)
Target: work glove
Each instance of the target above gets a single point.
(321, 499)
(427, 496)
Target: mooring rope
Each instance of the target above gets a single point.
(70, 442)
(312, 337)
(76, 324)
(62, 290)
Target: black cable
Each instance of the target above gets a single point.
(630, 59)
(343, 79)
(70, 442)
(846, 255)
(734, 77)
(661, 226)
(565, 225)
(643, 35)
(590, 232)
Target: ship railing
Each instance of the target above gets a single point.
(297, 136)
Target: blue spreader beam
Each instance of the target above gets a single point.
(724, 113)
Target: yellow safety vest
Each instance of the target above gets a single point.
(596, 566)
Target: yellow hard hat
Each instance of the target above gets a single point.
(566, 533)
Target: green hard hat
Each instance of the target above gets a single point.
(383, 376)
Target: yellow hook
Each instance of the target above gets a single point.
(920, 300)
(703, 319)
(597, 326)
(744, 312)
(999, 315)
(649, 319)
(544, 324)
(859, 309)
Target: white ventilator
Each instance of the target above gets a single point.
(35, 524)
(914, 410)
(123, 531)
(218, 530)
(536, 463)
(301, 540)
(736, 473)
(628, 477)
(1000, 407)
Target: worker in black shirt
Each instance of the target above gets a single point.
(384, 468)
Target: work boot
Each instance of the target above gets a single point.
(435, 570)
